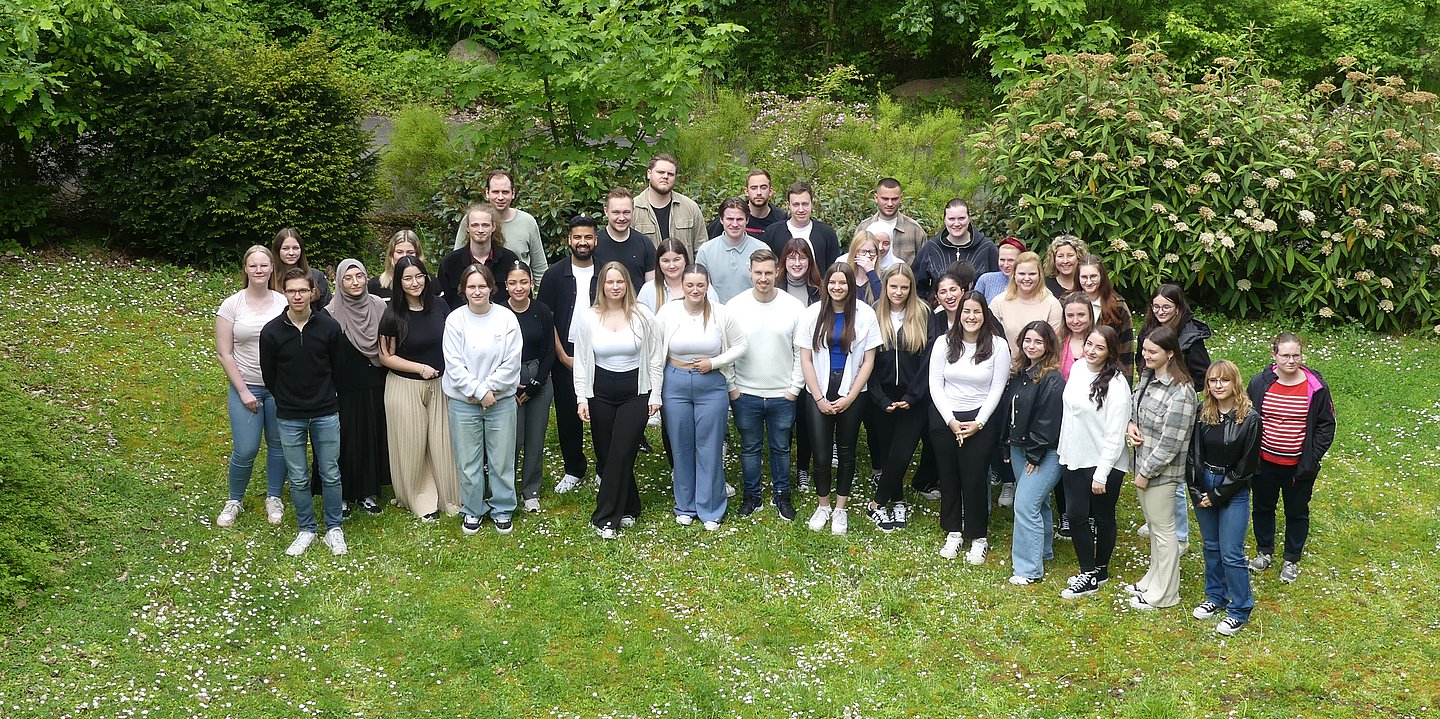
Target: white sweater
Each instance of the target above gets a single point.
(867, 337)
(771, 366)
(482, 353)
(652, 352)
(1090, 437)
(965, 385)
(733, 344)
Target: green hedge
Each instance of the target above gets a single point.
(1253, 195)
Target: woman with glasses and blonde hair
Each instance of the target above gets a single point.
(864, 261)
(1109, 307)
(404, 243)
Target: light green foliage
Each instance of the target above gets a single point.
(228, 145)
(1033, 29)
(1252, 195)
(419, 154)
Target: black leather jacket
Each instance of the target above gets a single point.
(1035, 411)
(1245, 433)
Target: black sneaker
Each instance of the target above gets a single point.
(1063, 528)
(900, 515)
(1102, 574)
(344, 510)
(504, 526)
(802, 480)
(750, 505)
(470, 525)
(371, 505)
(1081, 585)
(783, 506)
(881, 517)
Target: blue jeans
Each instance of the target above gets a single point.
(1182, 513)
(245, 430)
(1227, 575)
(696, 407)
(324, 434)
(485, 437)
(1034, 524)
(759, 419)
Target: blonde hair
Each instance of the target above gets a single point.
(245, 259)
(858, 241)
(1012, 290)
(917, 314)
(388, 276)
(627, 303)
(1048, 268)
(1210, 409)
(497, 238)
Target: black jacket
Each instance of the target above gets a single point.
(1319, 421)
(557, 291)
(1035, 411)
(936, 256)
(822, 241)
(900, 376)
(1246, 433)
(1192, 338)
(298, 366)
(454, 264)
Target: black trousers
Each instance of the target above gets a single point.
(568, 427)
(964, 472)
(828, 431)
(800, 435)
(617, 421)
(1091, 551)
(1272, 483)
(893, 436)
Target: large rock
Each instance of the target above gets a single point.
(951, 88)
(470, 50)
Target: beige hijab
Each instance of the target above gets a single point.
(359, 316)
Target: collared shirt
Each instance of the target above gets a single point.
(729, 265)
(907, 238)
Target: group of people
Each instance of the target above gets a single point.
(991, 359)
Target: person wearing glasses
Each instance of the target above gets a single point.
(360, 388)
(864, 258)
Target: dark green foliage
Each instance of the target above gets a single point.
(228, 145)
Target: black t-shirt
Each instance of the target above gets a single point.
(662, 220)
(424, 336)
(374, 288)
(637, 253)
(537, 333)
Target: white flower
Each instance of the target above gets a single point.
(1076, 155)
(1226, 242)
(1287, 173)
(1435, 250)
(1240, 214)
(1170, 258)
(1157, 208)
(1387, 283)
(1306, 217)
(1243, 285)
(1170, 163)
(1207, 238)
(1140, 255)
(1387, 306)
(1270, 183)
(1268, 226)
(1250, 202)
(1181, 227)
(1364, 276)
(1212, 178)
(1327, 313)
(1122, 246)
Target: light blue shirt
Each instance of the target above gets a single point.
(991, 284)
(729, 265)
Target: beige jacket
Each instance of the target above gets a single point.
(906, 242)
(686, 223)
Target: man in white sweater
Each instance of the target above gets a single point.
(768, 378)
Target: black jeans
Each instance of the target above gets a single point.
(568, 427)
(1273, 482)
(964, 472)
(828, 431)
(617, 420)
(1094, 551)
(893, 437)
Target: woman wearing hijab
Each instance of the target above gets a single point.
(360, 387)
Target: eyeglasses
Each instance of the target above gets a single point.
(1158, 308)
(1289, 358)
(414, 280)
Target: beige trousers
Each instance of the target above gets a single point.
(422, 464)
(1161, 584)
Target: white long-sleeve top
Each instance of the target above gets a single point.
(867, 337)
(652, 352)
(482, 353)
(673, 316)
(770, 366)
(965, 385)
(1091, 437)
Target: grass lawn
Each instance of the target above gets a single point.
(154, 612)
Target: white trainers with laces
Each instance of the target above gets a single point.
(227, 516)
(335, 540)
(274, 510)
(302, 542)
(978, 550)
(567, 483)
(819, 518)
(951, 548)
(839, 521)
(532, 505)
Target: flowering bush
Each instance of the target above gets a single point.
(1252, 195)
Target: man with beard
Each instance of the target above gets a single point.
(760, 214)
(568, 285)
(619, 241)
(662, 214)
(906, 235)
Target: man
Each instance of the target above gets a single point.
(562, 290)
(760, 214)
(619, 242)
(297, 354)
(767, 379)
(662, 214)
(906, 235)
(820, 236)
(958, 242)
(521, 232)
(486, 247)
(727, 256)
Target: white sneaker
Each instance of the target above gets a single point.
(1143, 531)
(335, 540)
(302, 542)
(654, 420)
(627, 521)
(729, 490)
(951, 548)
(1007, 494)
(532, 505)
(274, 510)
(229, 513)
(606, 532)
(567, 483)
(978, 550)
(712, 526)
(1184, 547)
(819, 518)
(839, 521)
(684, 520)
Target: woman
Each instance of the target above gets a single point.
(618, 355)
(1109, 307)
(837, 341)
(864, 258)
(1224, 457)
(1079, 318)
(1062, 262)
(252, 412)
(534, 393)
(289, 251)
(417, 420)
(702, 340)
(969, 366)
(1033, 437)
(1297, 430)
(1025, 300)
(1162, 417)
(898, 392)
(992, 284)
(482, 348)
(360, 388)
(1169, 309)
(402, 244)
(802, 281)
(671, 259)
(1093, 458)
